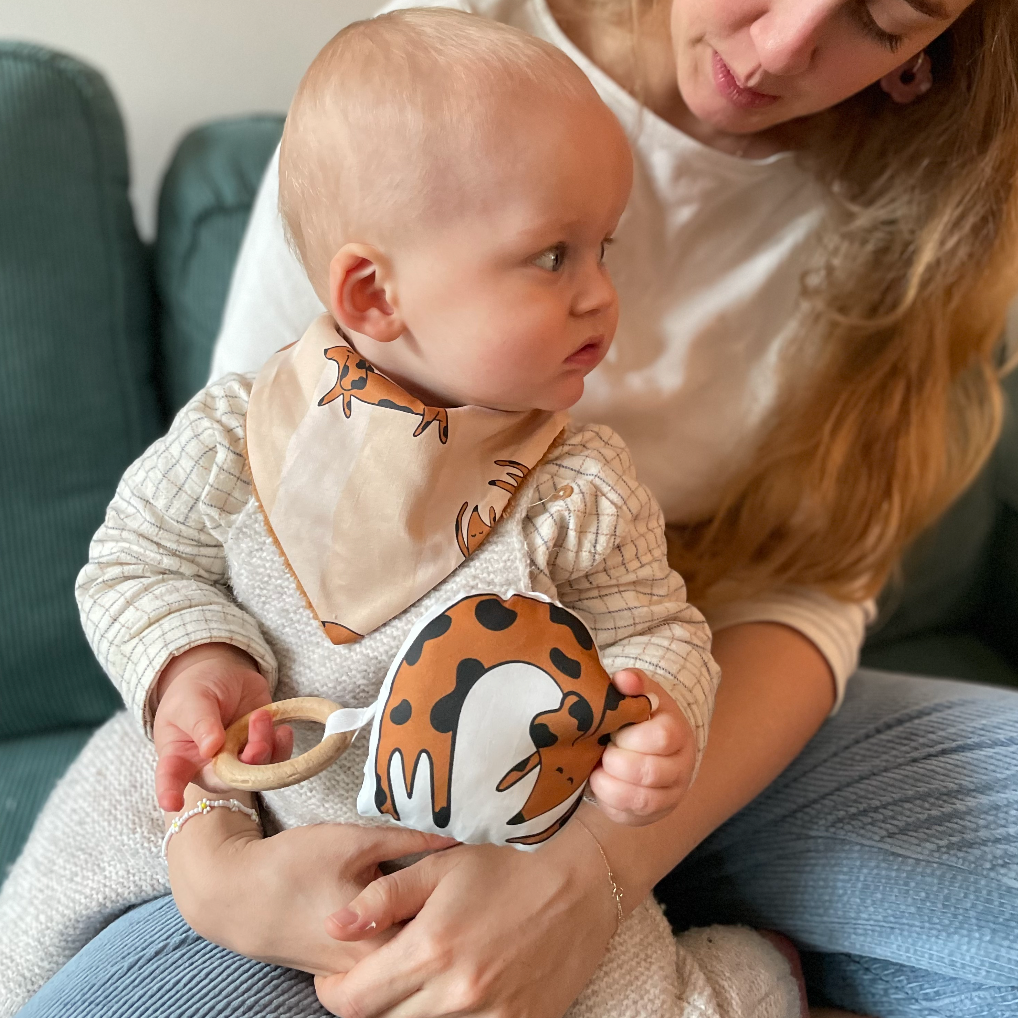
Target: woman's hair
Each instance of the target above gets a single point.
(903, 318)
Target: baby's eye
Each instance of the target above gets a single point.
(605, 244)
(552, 259)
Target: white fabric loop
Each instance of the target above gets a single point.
(349, 719)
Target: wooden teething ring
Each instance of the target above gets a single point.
(263, 777)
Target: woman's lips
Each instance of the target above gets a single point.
(727, 84)
(589, 354)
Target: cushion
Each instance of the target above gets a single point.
(30, 768)
(204, 206)
(945, 655)
(76, 399)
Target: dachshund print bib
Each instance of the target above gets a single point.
(372, 497)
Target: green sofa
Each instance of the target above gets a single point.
(104, 338)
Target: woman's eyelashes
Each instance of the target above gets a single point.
(864, 18)
(553, 258)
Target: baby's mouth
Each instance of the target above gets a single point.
(587, 355)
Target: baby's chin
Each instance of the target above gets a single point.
(558, 395)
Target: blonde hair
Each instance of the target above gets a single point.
(904, 314)
(386, 114)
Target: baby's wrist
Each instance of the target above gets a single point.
(181, 663)
(203, 835)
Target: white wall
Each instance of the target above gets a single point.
(175, 63)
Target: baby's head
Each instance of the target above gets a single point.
(450, 185)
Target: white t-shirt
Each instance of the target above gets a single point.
(707, 261)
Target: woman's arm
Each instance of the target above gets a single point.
(776, 691)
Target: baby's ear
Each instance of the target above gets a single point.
(361, 293)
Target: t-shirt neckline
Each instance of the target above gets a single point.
(663, 132)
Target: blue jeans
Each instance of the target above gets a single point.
(888, 851)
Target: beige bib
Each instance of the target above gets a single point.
(372, 497)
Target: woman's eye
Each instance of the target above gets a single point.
(869, 25)
(552, 259)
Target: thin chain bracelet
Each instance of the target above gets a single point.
(206, 806)
(616, 890)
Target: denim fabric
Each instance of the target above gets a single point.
(888, 851)
(150, 964)
(891, 842)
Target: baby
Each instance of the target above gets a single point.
(451, 186)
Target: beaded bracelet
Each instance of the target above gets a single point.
(205, 806)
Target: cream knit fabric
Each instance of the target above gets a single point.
(184, 557)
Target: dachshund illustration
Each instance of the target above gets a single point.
(452, 652)
(359, 380)
(477, 530)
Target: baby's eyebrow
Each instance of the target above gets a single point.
(931, 8)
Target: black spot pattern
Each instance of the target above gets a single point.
(582, 713)
(437, 627)
(361, 383)
(494, 615)
(401, 713)
(612, 698)
(565, 664)
(445, 714)
(560, 616)
(388, 404)
(380, 794)
(542, 735)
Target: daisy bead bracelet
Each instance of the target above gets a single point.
(205, 806)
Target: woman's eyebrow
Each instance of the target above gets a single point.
(931, 8)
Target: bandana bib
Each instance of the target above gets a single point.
(372, 497)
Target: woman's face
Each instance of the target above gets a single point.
(746, 65)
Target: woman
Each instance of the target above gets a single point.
(814, 273)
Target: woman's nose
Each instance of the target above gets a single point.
(786, 36)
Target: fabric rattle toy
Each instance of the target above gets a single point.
(489, 722)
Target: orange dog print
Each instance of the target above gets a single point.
(359, 380)
(420, 717)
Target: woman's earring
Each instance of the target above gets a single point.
(909, 81)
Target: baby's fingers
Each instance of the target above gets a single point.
(283, 744)
(648, 770)
(630, 804)
(666, 732)
(265, 745)
(178, 763)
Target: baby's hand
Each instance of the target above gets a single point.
(646, 768)
(200, 693)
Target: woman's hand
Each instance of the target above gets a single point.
(493, 931)
(265, 898)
